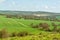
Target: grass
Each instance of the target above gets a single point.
(45, 36)
(18, 25)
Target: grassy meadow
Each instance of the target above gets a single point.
(19, 25)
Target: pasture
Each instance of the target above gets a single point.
(19, 25)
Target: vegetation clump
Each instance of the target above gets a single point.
(4, 33)
(42, 26)
(21, 34)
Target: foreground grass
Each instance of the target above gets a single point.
(43, 36)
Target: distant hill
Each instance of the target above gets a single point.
(28, 12)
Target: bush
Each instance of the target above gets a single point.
(33, 26)
(53, 24)
(44, 26)
(14, 34)
(4, 33)
(55, 38)
(55, 27)
(8, 16)
(21, 34)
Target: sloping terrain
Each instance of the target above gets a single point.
(19, 25)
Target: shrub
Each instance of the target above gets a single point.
(4, 33)
(55, 38)
(53, 24)
(22, 34)
(45, 26)
(8, 16)
(42, 26)
(33, 26)
(14, 34)
(55, 27)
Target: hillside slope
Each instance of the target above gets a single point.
(20, 24)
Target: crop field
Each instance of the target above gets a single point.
(19, 25)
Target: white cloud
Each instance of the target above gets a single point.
(1, 1)
(46, 7)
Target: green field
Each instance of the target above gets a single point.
(19, 25)
(13, 25)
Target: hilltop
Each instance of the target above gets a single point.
(27, 12)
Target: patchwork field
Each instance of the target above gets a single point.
(19, 25)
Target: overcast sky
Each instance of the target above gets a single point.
(31, 5)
